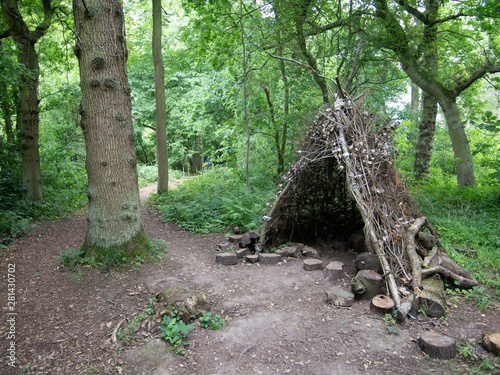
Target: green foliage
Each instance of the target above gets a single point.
(218, 198)
(174, 330)
(215, 322)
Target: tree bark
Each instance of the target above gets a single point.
(29, 120)
(114, 215)
(161, 111)
(426, 131)
(460, 143)
(415, 101)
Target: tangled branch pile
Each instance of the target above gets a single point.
(345, 177)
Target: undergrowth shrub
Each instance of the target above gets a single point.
(215, 200)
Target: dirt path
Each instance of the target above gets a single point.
(277, 320)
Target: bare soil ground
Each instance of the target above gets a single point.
(277, 322)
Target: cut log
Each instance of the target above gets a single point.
(427, 240)
(288, 251)
(252, 258)
(382, 304)
(241, 253)
(437, 345)
(249, 239)
(309, 252)
(313, 264)
(367, 261)
(227, 259)
(339, 297)
(491, 342)
(432, 297)
(367, 284)
(223, 246)
(269, 258)
(333, 271)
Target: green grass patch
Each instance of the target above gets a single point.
(215, 200)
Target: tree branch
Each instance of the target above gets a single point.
(478, 74)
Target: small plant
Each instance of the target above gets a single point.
(174, 330)
(215, 322)
(390, 320)
(70, 258)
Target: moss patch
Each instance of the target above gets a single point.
(136, 249)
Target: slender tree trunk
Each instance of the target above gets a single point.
(114, 213)
(276, 136)
(197, 162)
(286, 110)
(29, 123)
(29, 120)
(415, 101)
(426, 130)
(245, 107)
(161, 111)
(301, 40)
(427, 125)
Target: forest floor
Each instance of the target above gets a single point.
(277, 321)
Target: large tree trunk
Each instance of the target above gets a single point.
(161, 111)
(114, 214)
(29, 119)
(461, 150)
(426, 130)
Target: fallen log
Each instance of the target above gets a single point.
(463, 282)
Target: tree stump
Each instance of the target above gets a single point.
(252, 258)
(432, 297)
(269, 258)
(313, 264)
(235, 239)
(367, 261)
(339, 297)
(226, 259)
(437, 345)
(367, 284)
(382, 304)
(334, 270)
(491, 342)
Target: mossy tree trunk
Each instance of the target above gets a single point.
(114, 215)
